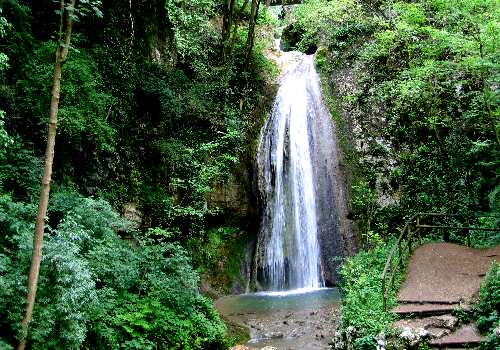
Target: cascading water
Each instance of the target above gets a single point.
(290, 252)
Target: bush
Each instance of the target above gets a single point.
(97, 290)
(362, 302)
(487, 311)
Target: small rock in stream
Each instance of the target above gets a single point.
(273, 335)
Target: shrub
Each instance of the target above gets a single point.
(487, 311)
(97, 290)
(362, 303)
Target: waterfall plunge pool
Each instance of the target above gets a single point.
(295, 319)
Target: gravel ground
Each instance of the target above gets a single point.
(308, 329)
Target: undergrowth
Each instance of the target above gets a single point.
(363, 313)
(487, 311)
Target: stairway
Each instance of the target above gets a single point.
(441, 278)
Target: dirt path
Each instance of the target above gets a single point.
(446, 273)
(442, 277)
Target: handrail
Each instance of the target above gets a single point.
(407, 235)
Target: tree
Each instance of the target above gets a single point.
(227, 20)
(251, 30)
(66, 12)
(235, 23)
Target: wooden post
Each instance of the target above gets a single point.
(400, 253)
(384, 293)
(419, 231)
(409, 240)
(467, 233)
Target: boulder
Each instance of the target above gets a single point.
(412, 337)
(132, 214)
(273, 335)
(443, 321)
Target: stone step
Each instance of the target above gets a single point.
(437, 326)
(464, 336)
(425, 301)
(421, 310)
(455, 349)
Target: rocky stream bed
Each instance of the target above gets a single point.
(291, 322)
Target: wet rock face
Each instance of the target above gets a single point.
(335, 231)
(133, 214)
(233, 197)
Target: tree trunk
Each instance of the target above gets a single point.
(227, 22)
(227, 19)
(61, 54)
(237, 18)
(251, 30)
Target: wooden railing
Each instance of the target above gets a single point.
(414, 229)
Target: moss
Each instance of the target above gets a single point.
(342, 126)
(224, 261)
(236, 333)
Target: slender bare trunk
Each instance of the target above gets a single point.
(227, 19)
(237, 18)
(61, 54)
(251, 30)
(227, 22)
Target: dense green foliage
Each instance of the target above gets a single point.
(413, 88)
(149, 114)
(98, 290)
(422, 98)
(362, 303)
(488, 309)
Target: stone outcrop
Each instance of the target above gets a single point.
(336, 232)
(132, 214)
(234, 197)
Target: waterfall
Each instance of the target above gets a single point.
(290, 255)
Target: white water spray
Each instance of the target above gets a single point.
(291, 253)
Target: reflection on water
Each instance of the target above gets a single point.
(265, 302)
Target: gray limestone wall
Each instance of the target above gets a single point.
(336, 231)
